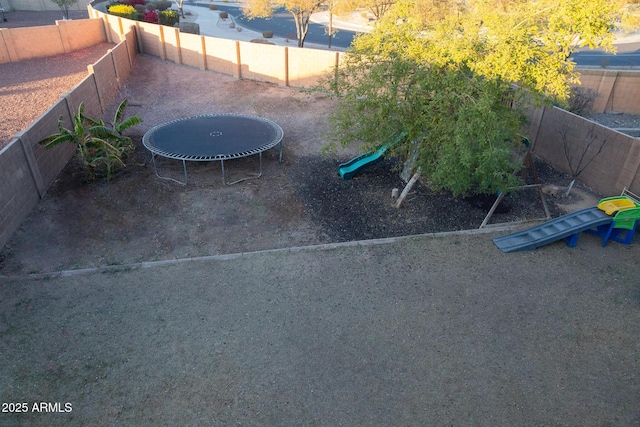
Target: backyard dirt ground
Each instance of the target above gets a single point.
(138, 217)
(421, 331)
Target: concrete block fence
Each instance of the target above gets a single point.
(616, 167)
(18, 44)
(617, 90)
(281, 65)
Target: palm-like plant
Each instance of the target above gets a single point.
(99, 147)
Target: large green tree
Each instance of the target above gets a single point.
(437, 78)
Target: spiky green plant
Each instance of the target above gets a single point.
(100, 148)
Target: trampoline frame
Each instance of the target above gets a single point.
(155, 151)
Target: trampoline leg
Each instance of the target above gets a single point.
(224, 178)
(184, 166)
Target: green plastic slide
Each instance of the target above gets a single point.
(354, 166)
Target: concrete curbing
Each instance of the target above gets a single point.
(228, 257)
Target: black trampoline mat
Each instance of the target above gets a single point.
(215, 136)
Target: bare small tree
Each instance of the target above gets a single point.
(179, 5)
(581, 100)
(300, 9)
(577, 166)
(330, 30)
(64, 6)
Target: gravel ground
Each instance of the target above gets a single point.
(28, 88)
(616, 120)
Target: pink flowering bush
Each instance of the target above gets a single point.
(150, 16)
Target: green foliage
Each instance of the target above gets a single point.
(124, 11)
(99, 147)
(168, 18)
(459, 128)
(442, 77)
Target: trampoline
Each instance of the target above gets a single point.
(213, 137)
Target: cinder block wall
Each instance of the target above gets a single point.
(617, 166)
(18, 44)
(617, 90)
(287, 66)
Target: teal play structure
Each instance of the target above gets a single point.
(354, 166)
(615, 218)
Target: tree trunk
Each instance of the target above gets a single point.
(573, 181)
(330, 27)
(407, 188)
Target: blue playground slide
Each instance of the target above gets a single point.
(357, 164)
(566, 227)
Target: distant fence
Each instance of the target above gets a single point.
(282, 65)
(26, 169)
(18, 44)
(617, 90)
(41, 5)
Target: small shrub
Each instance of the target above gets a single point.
(232, 24)
(133, 2)
(189, 27)
(169, 17)
(124, 11)
(267, 34)
(223, 15)
(152, 5)
(261, 41)
(140, 8)
(150, 16)
(100, 148)
(163, 4)
(213, 7)
(581, 100)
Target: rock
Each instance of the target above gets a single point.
(551, 190)
(189, 27)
